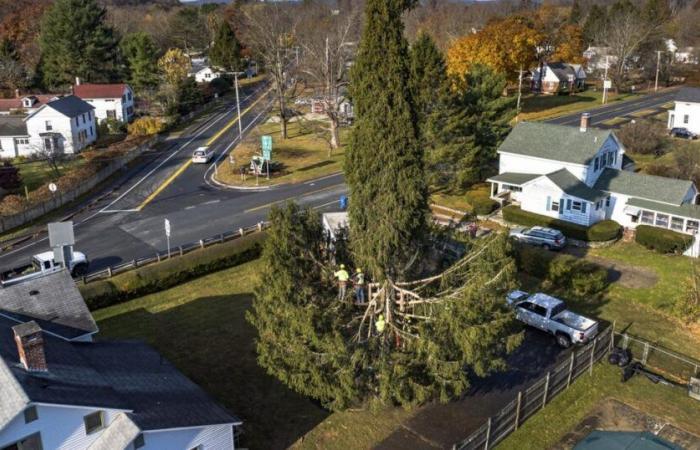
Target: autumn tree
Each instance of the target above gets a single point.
(13, 74)
(174, 65)
(19, 26)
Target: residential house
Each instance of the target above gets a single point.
(64, 125)
(24, 104)
(111, 101)
(598, 58)
(14, 138)
(206, 74)
(60, 392)
(575, 174)
(686, 110)
(558, 77)
(682, 55)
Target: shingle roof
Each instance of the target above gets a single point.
(53, 301)
(99, 90)
(9, 104)
(70, 106)
(555, 142)
(561, 70)
(123, 375)
(118, 435)
(13, 126)
(688, 94)
(649, 187)
(516, 179)
(685, 210)
(571, 185)
(14, 400)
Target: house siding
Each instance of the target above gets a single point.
(9, 148)
(676, 116)
(63, 125)
(213, 437)
(121, 106)
(610, 145)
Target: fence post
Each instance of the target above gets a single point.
(645, 355)
(180, 248)
(546, 389)
(612, 337)
(590, 366)
(260, 226)
(517, 410)
(571, 369)
(221, 238)
(109, 272)
(201, 243)
(488, 435)
(134, 263)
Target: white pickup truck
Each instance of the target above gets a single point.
(44, 263)
(549, 314)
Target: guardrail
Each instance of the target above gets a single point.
(173, 252)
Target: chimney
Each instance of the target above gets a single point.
(77, 81)
(585, 122)
(30, 346)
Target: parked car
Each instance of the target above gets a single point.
(682, 133)
(547, 238)
(202, 155)
(550, 315)
(43, 263)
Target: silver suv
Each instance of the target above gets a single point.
(547, 238)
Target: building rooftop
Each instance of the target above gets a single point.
(649, 187)
(571, 185)
(12, 126)
(87, 90)
(70, 106)
(515, 179)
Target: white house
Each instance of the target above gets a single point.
(686, 112)
(111, 101)
(26, 104)
(598, 57)
(682, 55)
(558, 77)
(14, 138)
(206, 74)
(65, 125)
(60, 393)
(575, 174)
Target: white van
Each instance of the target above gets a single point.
(202, 155)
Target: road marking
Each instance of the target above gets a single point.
(267, 205)
(211, 202)
(190, 207)
(235, 119)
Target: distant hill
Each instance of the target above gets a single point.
(118, 3)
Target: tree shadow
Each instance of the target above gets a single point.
(210, 341)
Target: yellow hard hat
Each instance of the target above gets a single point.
(380, 317)
(342, 266)
(359, 270)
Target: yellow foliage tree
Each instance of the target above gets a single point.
(569, 47)
(146, 126)
(505, 46)
(174, 65)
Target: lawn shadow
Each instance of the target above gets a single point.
(316, 166)
(210, 341)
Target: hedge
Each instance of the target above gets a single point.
(662, 240)
(166, 274)
(605, 230)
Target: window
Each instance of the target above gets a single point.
(22, 141)
(140, 441)
(77, 121)
(583, 207)
(597, 205)
(128, 95)
(661, 220)
(91, 132)
(111, 114)
(614, 157)
(30, 414)
(576, 206)
(677, 223)
(510, 187)
(124, 98)
(607, 201)
(32, 442)
(595, 164)
(555, 206)
(84, 121)
(49, 125)
(685, 118)
(93, 422)
(691, 226)
(568, 204)
(648, 217)
(130, 110)
(610, 158)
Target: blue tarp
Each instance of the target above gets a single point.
(624, 440)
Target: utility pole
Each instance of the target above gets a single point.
(520, 89)
(658, 64)
(238, 106)
(605, 79)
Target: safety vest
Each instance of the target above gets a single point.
(342, 275)
(380, 324)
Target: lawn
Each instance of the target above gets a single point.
(462, 201)
(547, 427)
(538, 107)
(38, 173)
(304, 155)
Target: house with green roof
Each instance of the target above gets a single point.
(576, 174)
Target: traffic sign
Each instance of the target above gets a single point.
(267, 147)
(167, 227)
(53, 187)
(607, 84)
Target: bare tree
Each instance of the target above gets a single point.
(270, 29)
(328, 39)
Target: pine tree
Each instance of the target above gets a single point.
(428, 76)
(141, 57)
(75, 41)
(226, 51)
(576, 14)
(595, 22)
(384, 163)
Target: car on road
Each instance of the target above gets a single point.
(682, 133)
(547, 238)
(43, 263)
(202, 155)
(550, 315)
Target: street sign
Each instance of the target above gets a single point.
(267, 147)
(53, 187)
(607, 84)
(167, 227)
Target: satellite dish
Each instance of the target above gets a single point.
(53, 187)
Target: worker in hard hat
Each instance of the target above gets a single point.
(380, 324)
(359, 280)
(343, 276)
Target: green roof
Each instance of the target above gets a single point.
(649, 187)
(555, 142)
(516, 179)
(624, 440)
(685, 210)
(573, 186)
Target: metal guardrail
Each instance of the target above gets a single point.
(173, 252)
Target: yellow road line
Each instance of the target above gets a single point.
(267, 205)
(179, 171)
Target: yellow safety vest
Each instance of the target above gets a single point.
(342, 275)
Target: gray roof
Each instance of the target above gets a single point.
(53, 301)
(555, 142)
(70, 106)
(685, 210)
(688, 94)
(649, 187)
(13, 126)
(123, 375)
(516, 179)
(118, 435)
(571, 185)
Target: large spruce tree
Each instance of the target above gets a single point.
(226, 50)
(140, 54)
(75, 41)
(384, 162)
(429, 83)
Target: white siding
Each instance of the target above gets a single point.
(64, 125)
(509, 162)
(538, 196)
(121, 106)
(9, 147)
(206, 75)
(213, 437)
(677, 115)
(610, 145)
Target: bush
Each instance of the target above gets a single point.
(644, 137)
(146, 126)
(605, 230)
(482, 205)
(662, 240)
(169, 273)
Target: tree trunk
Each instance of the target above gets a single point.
(335, 134)
(283, 111)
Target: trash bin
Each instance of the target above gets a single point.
(343, 202)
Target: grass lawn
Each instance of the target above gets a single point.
(538, 107)
(547, 427)
(38, 173)
(461, 201)
(304, 155)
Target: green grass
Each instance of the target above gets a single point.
(538, 107)
(38, 173)
(547, 427)
(461, 201)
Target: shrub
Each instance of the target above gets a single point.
(644, 137)
(169, 273)
(10, 178)
(662, 240)
(146, 126)
(605, 230)
(12, 204)
(480, 201)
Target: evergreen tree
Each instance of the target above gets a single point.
(428, 80)
(141, 57)
(76, 42)
(384, 162)
(189, 96)
(576, 14)
(226, 50)
(595, 22)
